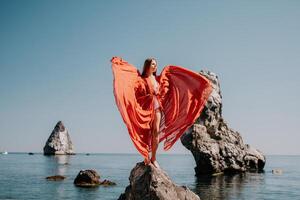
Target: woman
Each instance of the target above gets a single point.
(149, 71)
(157, 108)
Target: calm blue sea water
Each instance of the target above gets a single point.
(22, 176)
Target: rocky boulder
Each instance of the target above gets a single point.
(59, 142)
(90, 178)
(87, 178)
(55, 178)
(149, 183)
(216, 147)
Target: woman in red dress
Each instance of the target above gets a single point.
(157, 108)
(149, 71)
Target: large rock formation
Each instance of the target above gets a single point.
(149, 183)
(59, 142)
(216, 147)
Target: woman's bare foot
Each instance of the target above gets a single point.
(147, 161)
(155, 163)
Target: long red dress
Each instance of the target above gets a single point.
(182, 96)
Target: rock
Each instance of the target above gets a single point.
(149, 183)
(87, 178)
(255, 160)
(59, 142)
(107, 183)
(56, 178)
(215, 146)
(30, 153)
(277, 171)
(90, 178)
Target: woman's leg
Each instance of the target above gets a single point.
(147, 160)
(155, 138)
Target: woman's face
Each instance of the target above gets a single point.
(153, 66)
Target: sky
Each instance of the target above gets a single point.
(55, 65)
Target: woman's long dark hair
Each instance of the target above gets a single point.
(147, 65)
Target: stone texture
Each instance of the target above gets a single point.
(55, 178)
(87, 178)
(59, 142)
(149, 183)
(107, 183)
(90, 178)
(277, 171)
(216, 147)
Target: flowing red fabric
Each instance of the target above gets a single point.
(182, 96)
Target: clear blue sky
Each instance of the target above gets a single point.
(55, 65)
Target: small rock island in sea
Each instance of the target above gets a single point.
(59, 142)
(215, 146)
(91, 178)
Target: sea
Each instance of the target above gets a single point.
(23, 176)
